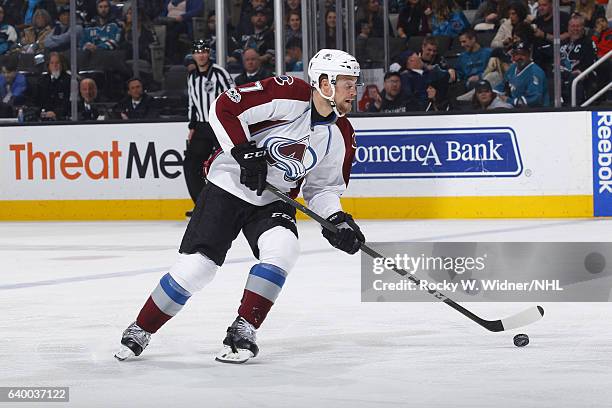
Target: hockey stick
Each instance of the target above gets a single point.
(521, 319)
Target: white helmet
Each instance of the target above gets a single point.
(331, 63)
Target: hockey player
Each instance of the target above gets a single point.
(290, 134)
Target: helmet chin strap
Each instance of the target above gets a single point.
(331, 100)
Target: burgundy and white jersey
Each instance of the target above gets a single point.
(276, 114)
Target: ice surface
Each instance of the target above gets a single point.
(67, 290)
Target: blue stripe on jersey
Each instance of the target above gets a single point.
(270, 273)
(174, 290)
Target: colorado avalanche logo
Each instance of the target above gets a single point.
(293, 157)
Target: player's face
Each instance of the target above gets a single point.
(201, 58)
(346, 92)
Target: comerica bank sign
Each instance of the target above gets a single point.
(427, 153)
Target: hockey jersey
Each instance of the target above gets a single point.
(528, 86)
(277, 114)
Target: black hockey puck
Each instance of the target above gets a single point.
(521, 340)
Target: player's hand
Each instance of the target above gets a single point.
(253, 165)
(349, 237)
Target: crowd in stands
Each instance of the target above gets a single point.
(446, 54)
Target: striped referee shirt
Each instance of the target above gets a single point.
(204, 88)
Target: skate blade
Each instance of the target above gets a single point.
(228, 356)
(124, 353)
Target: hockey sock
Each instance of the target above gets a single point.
(262, 288)
(165, 301)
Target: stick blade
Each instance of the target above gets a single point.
(524, 318)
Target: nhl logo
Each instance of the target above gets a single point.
(208, 86)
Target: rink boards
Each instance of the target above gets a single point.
(541, 164)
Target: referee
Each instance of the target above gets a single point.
(204, 84)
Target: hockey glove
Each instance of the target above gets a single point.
(348, 238)
(253, 165)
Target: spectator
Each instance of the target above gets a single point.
(413, 19)
(33, 37)
(371, 12)
(253, 71)
(86, 106)
(145, 30)
(293, 59)
(473, 61)
(13, 85)
(543, 46)
(447, 18)
(489, 14)
(485, 99)
(294, 26)
(517, 13)
(31, 6)
(151, 8)
(53, 90)
(178, 19)
(86, 10)
(391, 98)
(416, 78)
(364, 29)
(590, 10)
(182, 11)
(293, 6)
(578, 52)
(103, 33)
(330, 29)
(368, 98)
(137, 104)
(232, 45)
(526, 81)
(59, 38)
(259, 36)
(8, 35)
(248, 8)
(436, 102)
(602, 36)
(12, 12)
(431, 58)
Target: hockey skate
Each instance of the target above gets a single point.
(133, 342)
(239, 344)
